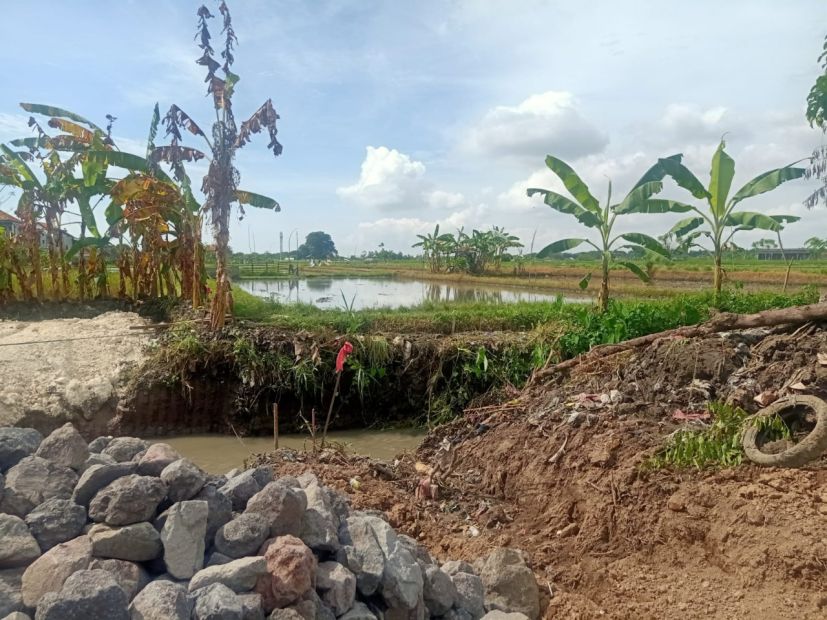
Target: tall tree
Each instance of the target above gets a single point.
(318, 245)
(817, 115)
(220, 185)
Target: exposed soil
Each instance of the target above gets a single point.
(562, 475)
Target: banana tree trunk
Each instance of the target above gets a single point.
(603, 297)
(718, 277)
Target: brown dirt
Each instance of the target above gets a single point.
(607, 536)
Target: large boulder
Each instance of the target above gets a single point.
(440, 594)
(17, 545)
(48, 572)
(360, 611)
(240, 489)
(239, 575)
(124, 449)
(510, 584)
(139, 542)
(96, 459)
(243, 535)
(56, 521)
(127, 500)
(291, 572)
(251, 607)
(184, 480)
(130, 576)
(219, 509)
(16, 444)
(337, 586)
(64, 446)
(183, 538)
(86, 594)
(470, 594)
(11, 597)
(452, 567)
(97, 445)
(97, 476)
(34, 480)
(281, 505)
(161, 600)
(156, 458)
(319, 524)
(217, 602)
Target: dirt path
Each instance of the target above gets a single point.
(61, 370)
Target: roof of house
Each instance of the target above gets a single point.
(8, 217)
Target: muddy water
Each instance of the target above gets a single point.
(364, 293)
(218, 454)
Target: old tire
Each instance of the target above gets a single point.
(808, 449)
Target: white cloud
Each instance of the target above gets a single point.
(389, 180)
(543, 123)
(684, 121)
(440, 199)
(14, 126)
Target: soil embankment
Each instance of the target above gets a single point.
(61, 370)
(562, 472)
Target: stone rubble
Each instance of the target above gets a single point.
(144, 534)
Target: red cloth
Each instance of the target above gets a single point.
(346, 350)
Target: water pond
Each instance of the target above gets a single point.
(366, 293)
(217, 454)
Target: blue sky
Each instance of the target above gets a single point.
(397, 116)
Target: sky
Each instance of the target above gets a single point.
(397, 116)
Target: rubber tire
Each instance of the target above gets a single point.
(808, 449)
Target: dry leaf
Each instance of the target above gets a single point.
(767, 397)
(798, 386)
(822, 359)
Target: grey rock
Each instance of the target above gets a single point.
(184, 480)
(17, 615)
(97, 445)
(337, 586)
(217, 559)
(95, 477)
(127, 500)
(161, 600)
(86, 594)
(139, 542)
(56, 521)
(502, 615)
(452, 567)
(233, 472)
(363, 554)
(124, 449)
(17, 545)
(319, 525)
(510, 584)
(440, 594)
(240, 489)
(131, 577)
(156, 458)
(251, 608)
(457, 614)
(306, 478)
(219, 509)
(243, 535)
(470, 594)
(64, 446)
(16, 444)
(34, 480)
(238, 575)
(282, 506)
(217, 602)
(285, 614)
(11, 597)
(2, 487)
(263, 475)
(48, 572)
(310, 607)
(360, 611)
(183, 538)
(96, 459)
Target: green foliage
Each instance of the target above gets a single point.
(719, 444)
(467, 253)
(317, 245)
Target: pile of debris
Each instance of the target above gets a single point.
(121, 529)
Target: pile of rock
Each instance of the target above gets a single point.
(121, 529)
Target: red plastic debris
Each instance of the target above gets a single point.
(341, 358)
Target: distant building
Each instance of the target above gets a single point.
(779, 254)
(12, 226)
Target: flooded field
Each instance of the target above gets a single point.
(363, 293)
(218, 454)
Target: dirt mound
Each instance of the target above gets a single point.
(561, 472)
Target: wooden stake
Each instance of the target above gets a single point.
(330, 409)
(275, 426)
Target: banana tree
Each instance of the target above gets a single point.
(434, 247)
(503, 241)
(220, 184)
(585, 208)
(718, 218)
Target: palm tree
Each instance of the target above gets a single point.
(587, 210)
(719, 215)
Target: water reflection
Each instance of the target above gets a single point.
(366, 293)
